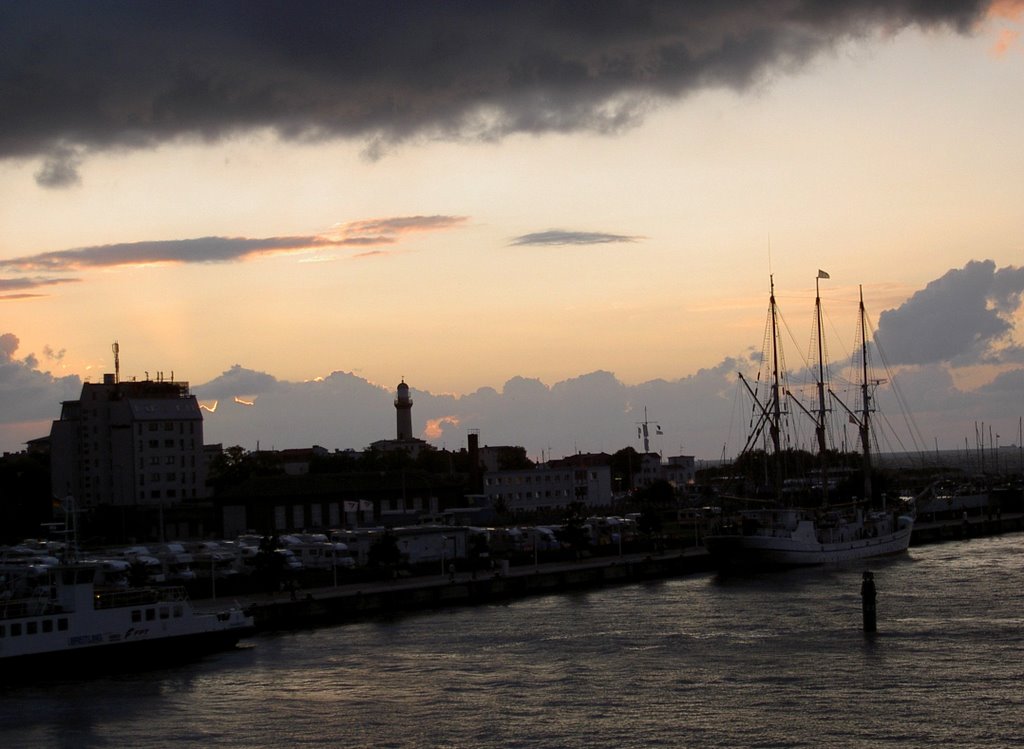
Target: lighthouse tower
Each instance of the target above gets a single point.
(403, 407)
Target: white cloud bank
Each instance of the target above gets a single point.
(965, 319)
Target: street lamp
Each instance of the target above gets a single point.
(444, 551)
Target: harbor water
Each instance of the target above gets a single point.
(761, 660)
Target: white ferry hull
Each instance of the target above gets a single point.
(72, 627)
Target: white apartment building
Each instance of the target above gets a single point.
(546, 488)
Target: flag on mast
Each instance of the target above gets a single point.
(823, 274)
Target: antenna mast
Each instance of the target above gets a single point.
(117, 362)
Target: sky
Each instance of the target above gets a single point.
(547, 217)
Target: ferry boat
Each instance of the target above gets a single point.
(785, 535)
(66, 624)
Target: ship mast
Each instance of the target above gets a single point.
(865, 431)
(776, 403)
(820, 426)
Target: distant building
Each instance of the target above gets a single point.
(297, 460)
(129, 444)
(679, 470)
(545, 488)
(502, 457)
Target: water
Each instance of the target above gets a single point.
(772, 660)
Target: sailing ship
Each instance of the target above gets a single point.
(782, 534)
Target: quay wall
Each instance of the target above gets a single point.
(355, 602)
(352, 603)
(973, 527)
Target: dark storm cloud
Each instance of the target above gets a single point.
(60, 168)
(964, 317)
(77, 77)
(560, 237)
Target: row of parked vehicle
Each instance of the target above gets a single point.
(173, 562)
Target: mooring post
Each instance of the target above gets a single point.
(867, 598)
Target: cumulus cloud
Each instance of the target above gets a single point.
(80, 77)
(52, 355)
(26, 393)
(964, 317)
(561, 237)
(236, 381)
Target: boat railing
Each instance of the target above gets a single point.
(18, 608)
(138, 597)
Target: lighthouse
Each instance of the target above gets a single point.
(403, 409)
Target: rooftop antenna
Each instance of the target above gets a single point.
(117, 362)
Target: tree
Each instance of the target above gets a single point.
(384, 553)
(234, 465)
(573, 532)
(625, 467)
(269, 564)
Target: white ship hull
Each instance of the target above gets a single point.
(73, 627)
(790, 541)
